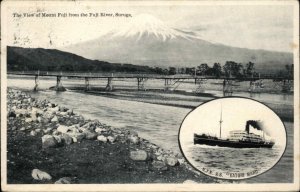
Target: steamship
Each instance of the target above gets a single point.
(237, 138)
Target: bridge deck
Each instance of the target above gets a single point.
(130, 76)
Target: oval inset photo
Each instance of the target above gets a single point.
(232, 138)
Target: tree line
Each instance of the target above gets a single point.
(229, 69)
(34, 59)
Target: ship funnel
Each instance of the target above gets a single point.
(254, 124)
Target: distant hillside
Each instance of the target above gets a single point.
(146, 40)
(177, 52)
(32, 59)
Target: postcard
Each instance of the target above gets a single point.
(150, 95)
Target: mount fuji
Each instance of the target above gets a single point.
(148, 25)
(148, 41)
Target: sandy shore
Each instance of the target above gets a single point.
(52, 144)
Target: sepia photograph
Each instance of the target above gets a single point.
(234, 142)
(149, 96)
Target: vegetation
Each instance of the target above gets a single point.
(233, 69)
(288, 72)
(26, 59)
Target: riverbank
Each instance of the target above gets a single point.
(47, 143)
(281, 103)
(285, 112)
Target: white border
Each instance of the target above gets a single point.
(148, 187)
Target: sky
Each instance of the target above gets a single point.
(267, 27)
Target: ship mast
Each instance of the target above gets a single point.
(221, 121)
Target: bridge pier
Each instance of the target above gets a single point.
(172, 84)
(87, 84)
(141, 83)
(167, 84)
(109, 86)
(200, 88)
(256, 86)
(287, 86)
(36, 81)
(227, 87)
(59, 86)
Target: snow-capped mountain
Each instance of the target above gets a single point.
(146, 40)
(146, 24)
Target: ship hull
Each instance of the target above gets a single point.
(227, 143)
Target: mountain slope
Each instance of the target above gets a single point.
(32, 59)
(148, 41)
(148, 24)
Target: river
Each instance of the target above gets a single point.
(158, 123)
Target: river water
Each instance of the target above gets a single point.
(158, 123)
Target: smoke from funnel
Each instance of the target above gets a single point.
(258, 125)
(254, 124)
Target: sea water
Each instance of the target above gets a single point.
(244, 161)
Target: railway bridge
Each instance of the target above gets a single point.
(171, 82)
